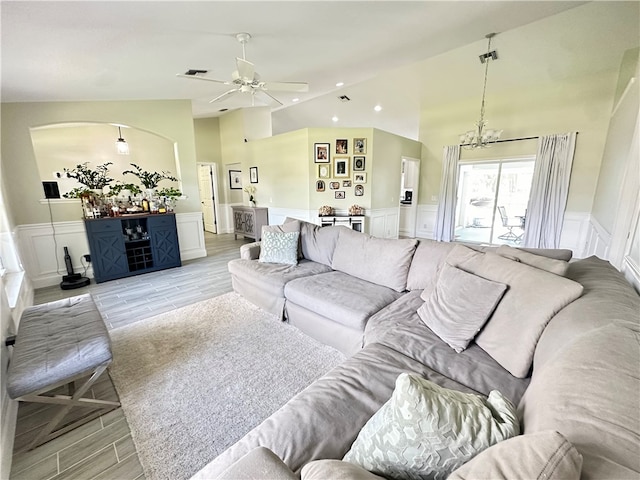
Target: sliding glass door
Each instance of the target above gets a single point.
(492, 201)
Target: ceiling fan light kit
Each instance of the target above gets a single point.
(246, 80)
(122, 147)
(480, 136)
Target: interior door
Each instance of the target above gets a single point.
(207, 197)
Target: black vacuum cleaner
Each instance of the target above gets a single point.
(72, 280)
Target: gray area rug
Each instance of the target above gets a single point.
(193, 381)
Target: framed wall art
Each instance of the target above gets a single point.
(235, 179)
(340, 195)
(342, 146)
(321, 153)
(346, 183)
(359, 145)
(324, 170)
(253, 174)
(359, 178)
(341, 167)
(358, 164)
(320, 186)
(359, 190)
(334, 185)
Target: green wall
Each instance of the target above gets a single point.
(171, 119)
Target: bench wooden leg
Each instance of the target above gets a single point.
(67, 402)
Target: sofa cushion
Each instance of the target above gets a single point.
(533, 298)
(279, 247)
(318, 243)
(607, 294)
(335, 470)
(589, 393)
(545, 455)
(340, 297)
(259, 464)
(323, 420)
(376, 260)
(559, 267)
(398, 326)
(429, 257)
(289, 225)
(459, 306)
(418, 433)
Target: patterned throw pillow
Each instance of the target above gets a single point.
(279, 247)
(425, 431)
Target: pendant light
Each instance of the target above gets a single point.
(481, 137)
(122, 147)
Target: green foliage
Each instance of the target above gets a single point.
(150, 179)
(97, 178)
(169, 192)
(119, 187)
(77, 193)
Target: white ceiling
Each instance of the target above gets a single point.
(91, 50)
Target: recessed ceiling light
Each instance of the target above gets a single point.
(334, 119)
(339, 84)
(295, 99)
(377, 108)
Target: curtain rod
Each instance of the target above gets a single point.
(519, 139)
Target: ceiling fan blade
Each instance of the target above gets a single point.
(246, 70)
(228, 92)
(269, 95)
(199, 77)
(286, 86)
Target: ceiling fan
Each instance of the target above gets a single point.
(246, 80)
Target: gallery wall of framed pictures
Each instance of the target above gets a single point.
(341, 167)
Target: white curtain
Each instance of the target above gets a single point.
(549, 190)
(445, 218)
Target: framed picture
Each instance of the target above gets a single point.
(359, 178)
(321, 153)
(324, 170)
(346, 183)
(359, 145)
(342, 146)
(235, 179)
(358, 164)
(320, 186)
(340, 195)
(253, 174)
(341, 167)
(334, 185)
(359, 190)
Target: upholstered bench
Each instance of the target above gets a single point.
(60, 344)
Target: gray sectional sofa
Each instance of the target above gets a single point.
(562, 347)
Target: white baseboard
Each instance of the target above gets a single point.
(43, 257)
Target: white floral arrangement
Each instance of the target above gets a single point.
(325, 210)
(356, 210)
(251, 191)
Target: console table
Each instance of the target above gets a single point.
(355, 222)
(248, 221)
(132, 244)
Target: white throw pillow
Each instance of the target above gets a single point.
(279, 247)
(425, 431)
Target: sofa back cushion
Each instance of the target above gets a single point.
(377, 260)
(533, 298)
(589, 393)
(429, 257)
(607, 294)
(318, 243)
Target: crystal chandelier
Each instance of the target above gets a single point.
(482, 137)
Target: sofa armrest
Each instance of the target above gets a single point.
(258, 464)
(250, 251)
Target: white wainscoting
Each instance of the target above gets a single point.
(426, 221)
(277, 215)
(597, 241)
(574, 232)
(384, 222)
(43, 254)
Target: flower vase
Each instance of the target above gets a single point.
(253, 203)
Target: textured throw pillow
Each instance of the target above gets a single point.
(279, 247)
(559, 267)
(335, 470)
(425, 431)
(459, 305)
(545, 455)
(533, 298)
(289, 225)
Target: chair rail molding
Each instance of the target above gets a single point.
(43, 255)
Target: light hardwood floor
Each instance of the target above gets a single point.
(103, 449)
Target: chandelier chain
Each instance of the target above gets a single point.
(484, 88)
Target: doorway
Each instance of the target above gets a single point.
(409, 182)
(492, 201)
(207, 183)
